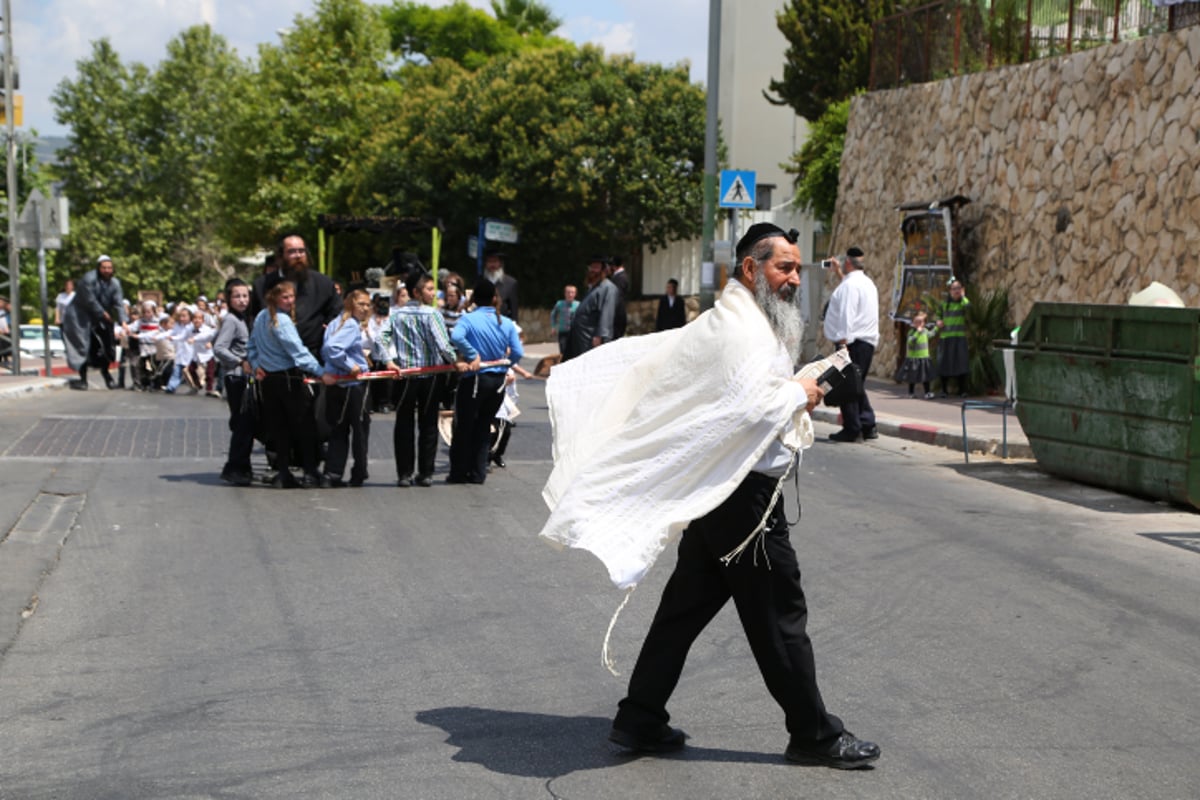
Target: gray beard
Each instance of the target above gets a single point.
(782, 314)
(494, 277)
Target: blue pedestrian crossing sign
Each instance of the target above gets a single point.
(737, 189)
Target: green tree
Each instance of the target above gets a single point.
(817, 164)
(103, 165)
(828, 55)
(464, 34)
(526, 16)
(582, 152)
(139, 167)
(301, 119)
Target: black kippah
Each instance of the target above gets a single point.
(855, 252)
(763, 230)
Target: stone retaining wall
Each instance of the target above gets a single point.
(1083, 174)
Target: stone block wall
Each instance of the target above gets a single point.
(1083, 174)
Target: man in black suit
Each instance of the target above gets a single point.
(620, 279)
(316, 301)
(671, 313)
(506, 285)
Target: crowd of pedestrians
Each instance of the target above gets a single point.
(303, 367)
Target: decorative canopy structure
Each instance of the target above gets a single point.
(334, 224)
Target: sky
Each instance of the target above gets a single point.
(51, 36)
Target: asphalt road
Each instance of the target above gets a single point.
(999, 633)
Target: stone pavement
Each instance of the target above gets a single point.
(937, 422)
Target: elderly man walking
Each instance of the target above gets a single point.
(625, 480)
(595, 319)
(88, 325)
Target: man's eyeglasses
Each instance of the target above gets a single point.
(294, 251)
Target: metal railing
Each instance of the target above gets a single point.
(955, 37)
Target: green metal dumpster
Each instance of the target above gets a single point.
(1110, 395)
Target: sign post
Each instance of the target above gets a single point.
(738, 189)
(491, 230)
(41, 226)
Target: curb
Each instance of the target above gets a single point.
(33, 387)
(932, 435)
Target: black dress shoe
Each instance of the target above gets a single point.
(498, 460)
(870, 433)
(236, 477)
(424, 480)
(845, 436)
(405, 481)
(665, 740)
(311, 480)
(108, 380)
(80, 386)
(285, 480)
(846, 752)
(333, 481)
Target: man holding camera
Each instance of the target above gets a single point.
(852, 321)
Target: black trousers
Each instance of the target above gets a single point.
(500, 439)
(349, 417)
(419, 397)
(241, 425)
(287, 407)
(475, 405)
(857, 415)
(770, 604)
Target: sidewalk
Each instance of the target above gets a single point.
(18, 385)
(937, 422)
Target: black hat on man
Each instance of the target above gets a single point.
(759, 231)
(855, 252)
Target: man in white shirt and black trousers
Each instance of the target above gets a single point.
(852, 321)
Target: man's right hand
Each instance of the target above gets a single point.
(814, 392)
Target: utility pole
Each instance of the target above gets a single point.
(708, 276)
(13, 196)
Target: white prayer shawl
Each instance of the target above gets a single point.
(652, 432)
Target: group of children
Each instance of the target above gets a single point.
(953, 360)
(162, 351)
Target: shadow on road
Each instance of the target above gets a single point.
(1028, 477)
(549, 746)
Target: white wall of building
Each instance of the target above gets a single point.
(758, 136)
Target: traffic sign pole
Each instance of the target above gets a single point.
(42, 292)
(14, 253)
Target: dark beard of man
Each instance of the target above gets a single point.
(297, 273)
(782, 313)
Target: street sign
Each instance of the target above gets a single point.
(43, 222)
(472, 246)
(495, 230)
(737, 188)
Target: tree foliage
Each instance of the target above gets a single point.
(817, 164)
(525, 16)
(361, 109)
(829, 52)
(139, 167)
(302, 119)
(581, 151)
(459, 32)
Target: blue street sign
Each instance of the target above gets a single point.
(737, 188)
